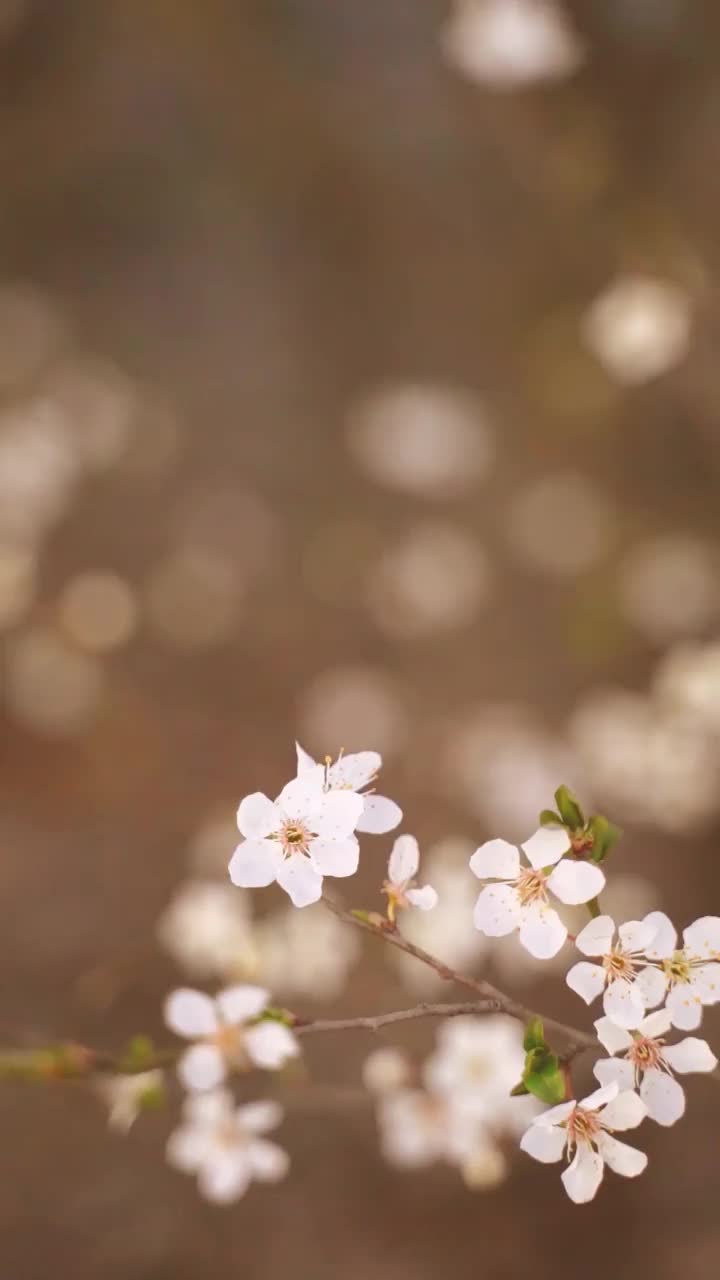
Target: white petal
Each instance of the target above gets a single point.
(226, 1177)
(268, 1161)
(304, 794)
(703, 937)
(600, 1097)
(238, 1004)
(379, 815)
(190, 1013)
(546, 846)
(596, 938)
(689, 1055)
(255, 863)
(555, 1115)
(270, 1045)
(497, 911)
(626, 1111)
(621, 1158)
(260, 1117)
(587, 980)
(684, 1008)
(356, 770)
(651, 985)
(623, 1003)
(496, 860)
(655, 1024)
(404, 860)
(300, 880)
(187, 1148)
(209, 1111)
(582, 1179)
(542, 932)
(337, 815)
(305, 762)
(544, 1144)
(335, 857)
(257, 816)
(201, 1067)
(636, 935)
(576, 882)
(424, 899)
(665, 940)
(705, 983)
(615, 1071)
(611, 1036)
(663, 1097)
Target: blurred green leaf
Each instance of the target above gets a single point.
(569, 808)
(544, 1077)
(605, 834)
(549, 818)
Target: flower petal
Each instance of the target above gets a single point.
(611, 1036)
(187, 1148)
(201, 1067)
(620, 1157)
(652, 986)
(209, 1110)
(268, 1161)
(623, 1003)
(255, 863)
(703, 938)
(238, 1004)
(583, 1177)
(544, 1144)
(356, 770)
(335, 857)
(705, 983)
(496, 860)
(546, 846)
(596, 938)
(300, 880)
(636, 935)
(626, 1111)
(555, 1115)
(226, 1177)
(690, 1055)
(600, 1097)
(270, 1045)
(379, 815)
(305, 762)
(655, 1024)
(587, 980)
(404, 860)
(615, 1071)
(665, 940)
(424, 899)
(303, 795)
(257, 816)
(190, 1013)
(497, 911)
(684, 1007)
(663, 1097)
(259, 1117)
(576, 882)
(337, 815)
(542, 932)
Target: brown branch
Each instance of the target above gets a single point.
(379, 1020)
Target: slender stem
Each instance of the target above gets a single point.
(379, 1020)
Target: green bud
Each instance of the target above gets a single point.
(140, 1050)
(605, 834)
(534, 1036)
(543, 1076)
(569, 808)
(520, 1090)
(549, 818)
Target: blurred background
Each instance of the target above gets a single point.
(359, 384)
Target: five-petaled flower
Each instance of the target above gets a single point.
(400, 885)
(305, 834)
(355, 773)
(690, 975)
(226, 1035)
(521, 902)
(223, 1146)
(650, 1063)
(616, 974)
(585, 1129)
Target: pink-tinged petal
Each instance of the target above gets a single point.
(542, 932)
(626, 1111)
(615, 1071)
(268, 1161)
(636, 935)
(239, 1004)
(270, 1045)
(544, 1144)
(300, 880)
(424, 899)
(209, 1110)
(665, 939)
(355, 771)
(600, 1098)
(496, 860)
(690, 1055)
(576, 882)
(596, 938)
(257, 816)
(259, 1117)
(655, 1024)
(337, 816)
(255, 864)
(555, 1115)
(190, 1013)
(587, 980)
(612, 1037)
(546, 846)
(623, 1003)
(304, 794)
(652, 986)
(684, 1007)
(702, 938)
(404, 860)
(663, 1097)
(497, 911)
(335, 857)
(379, 816)
(226, 1177)
(705, 983)
(620, 1157)
(582, 1179)
(188, 1148)
(305, 762)
(201, 1067)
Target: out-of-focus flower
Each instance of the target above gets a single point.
(418, 1128)
(386, 1070)
(434, 579)
(207, 929)
(307, 833)
(99, 402)
(32, 329)
(448, 930)
(309, 954)
(39, 469)
(475, 1065)
(689, 975)
(586, 1128)
(223, 1146)
(617, 971)
(127, 1096)
(650, 1063)
(18, 572)
(429, 440)
(49, 687)
(560, 524)
(193, 599)
(668, 586)
(359, 704)
(510, 44)
(688, 680)
(356, 773)
(99, 611)
(639, 328)
(227, 1037)
(400, 885)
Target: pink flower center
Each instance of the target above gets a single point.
(530, 886)
(582, 1127)
(618, 964)
(646, 1054)
(295, 836)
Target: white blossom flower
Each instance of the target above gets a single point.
(418, 1128)
(400, 885)
(223, 1146)
(308, 954)
(475, 1065)
(225, 1040)
(648, 1062)
(126, 1096)
(307, 833)
(520, 901)
(639, 328)
(690, 975)
(207, 929)
(355, 773)
(386, 1070)
(616, 974)
(508, 44)
(586, 1128)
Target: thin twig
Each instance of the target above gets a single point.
(379, 1020)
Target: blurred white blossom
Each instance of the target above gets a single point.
(475, 1065)
(126, 1096)
(560, 524)
(687, 680)
(224, 1145)
(50, 687)
(434, 579)
(207, 929)
(308, 953)
(354, 704)
(639, 327)
(509, 44)
(98, 610)
(386, 1070)
(668, 586)
(227, 1034)
(39, 469)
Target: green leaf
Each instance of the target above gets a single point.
(605, 834)
(570, 811)
(139, 1051)
(543, 1076)
(520, 1090)
(549, 818)
(534, 1035)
